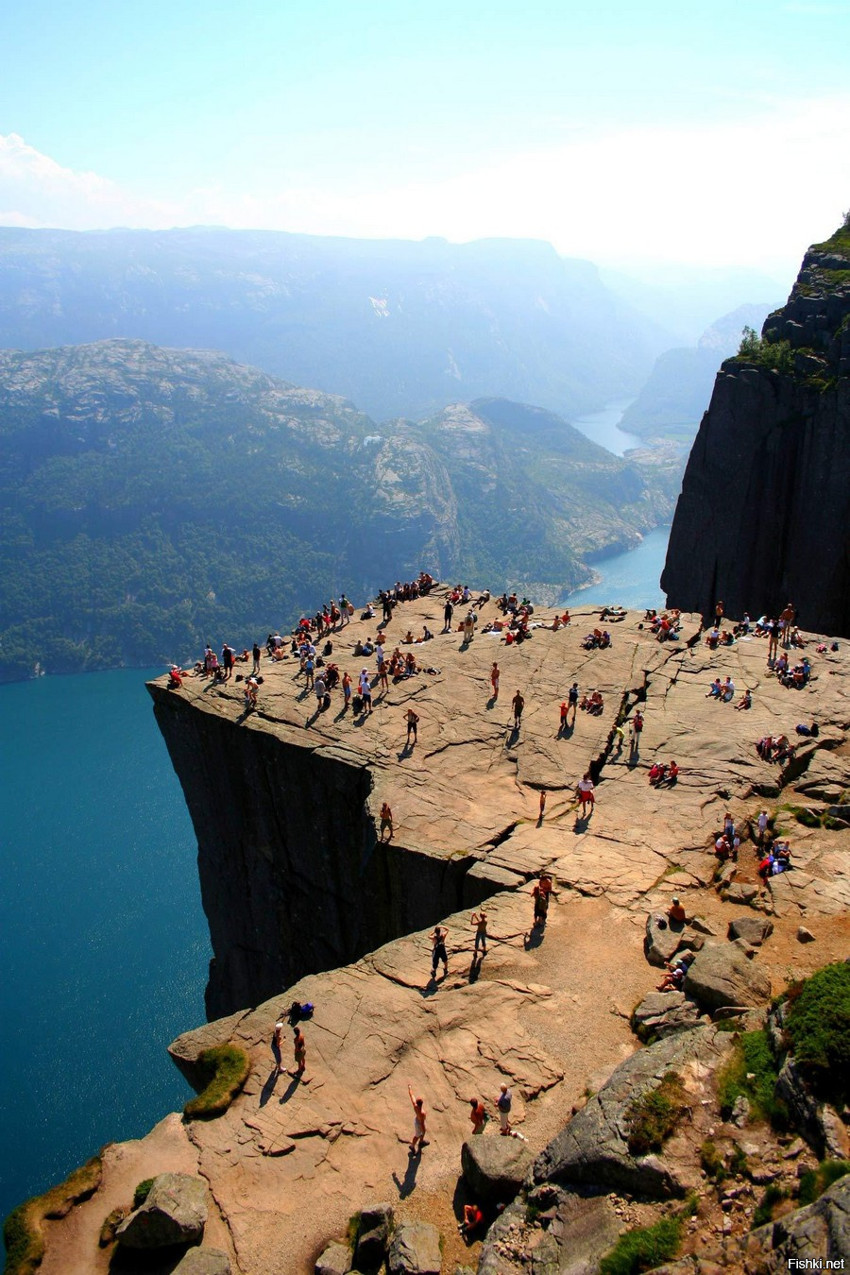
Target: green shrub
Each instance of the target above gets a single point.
(738, 1162)
(142, 1192)
(752, 1056)
(22, 1231)
(712, 1161)
(225, 1069)
(643, 1249)
(818, 1026)
(653, 1116)
(769, 1201)
(816, 1181)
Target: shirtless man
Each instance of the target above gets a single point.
(517, 704)
(494, 680)
(412, 723)
(386, 821)
(299, 1046)
(479, 921)
(477, 1115)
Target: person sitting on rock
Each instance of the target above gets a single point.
(676, 913)
(672, 775)
(472, 1219)
(746, 701)
(727, 691)
(657, 773)
(175, 678)
(715, 690)
(673, 979)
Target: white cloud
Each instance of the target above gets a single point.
(753, 192)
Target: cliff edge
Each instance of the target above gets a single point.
(764, 514)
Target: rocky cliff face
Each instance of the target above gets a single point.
(763, 514)
(292, 879)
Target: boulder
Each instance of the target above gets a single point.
(741, 893)
(817, 1234)
(661, 1013)
(175, 1212)
(334, 1260)
(804, 935)
(580, 1231)
(203, 1261)
(753, 929)
(662, 939)
(494, 1167)
(593, 1150)
(720, 975)
(415, 1249)
(373, 1234)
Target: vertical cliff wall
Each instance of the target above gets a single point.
(764, 514)
(292, 879)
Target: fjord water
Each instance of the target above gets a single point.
(104, 944)
(103, 941)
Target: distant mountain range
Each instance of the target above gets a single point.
(155, 498)
(401, 328)
(671, 403)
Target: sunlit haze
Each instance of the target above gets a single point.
(633, 135)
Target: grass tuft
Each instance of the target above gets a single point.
(22, 1232)
(751, 1057)
(818, 1026)
(225, 1069)
(769, 1201)
(643, 1249)
(816, 1181)
(652, 1117)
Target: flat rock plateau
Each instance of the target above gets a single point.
(547, 1012)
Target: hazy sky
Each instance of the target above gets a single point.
(712, 132)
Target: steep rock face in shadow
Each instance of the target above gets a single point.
(292, 879)
(764, 514)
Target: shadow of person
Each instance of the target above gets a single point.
(294, 1082)
(534, 937)
(514, 734)
(475, 968)
(268, 1087)
(405, 1185)
(581, 823)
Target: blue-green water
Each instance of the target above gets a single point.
(103, 942)
(629, 579)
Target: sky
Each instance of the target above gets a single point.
(640, 136)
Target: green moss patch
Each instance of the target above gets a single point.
(751, 1073)
(643, 1249)
(224, 1069)
(816, 1181)
(764, 1210)
(23, 1231)
(818, 1026)
(651, 1118)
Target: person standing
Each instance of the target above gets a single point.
(504, 1103)
(586, 793)
(299, 1045)
(277, 1044)
(412, 723)
(256, 657)
(346, 690)
(438, 953)
(637, 728)
(494, 680)
(227, 656)
(386, 821)
(477, 1115)
(762, 826)
(479, 920)
(448, 612)
(417, 1142)
(517, 704)
(572, 700)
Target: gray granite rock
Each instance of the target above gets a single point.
(415, 1249)
(494, 1167)
(175, 1212)
(720, 975)
(335, 1260)
(204, 1261)
(754, 929)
